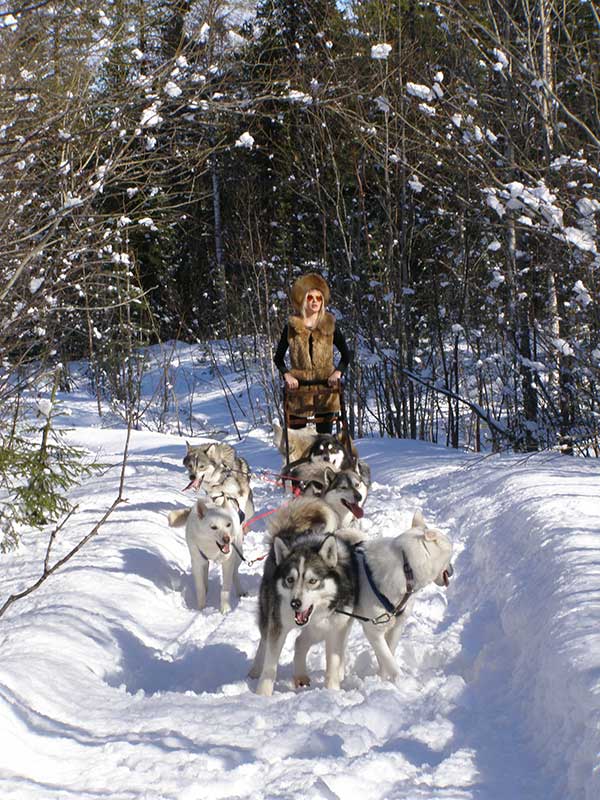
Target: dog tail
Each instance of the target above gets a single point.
(178, 518)
(302, 515)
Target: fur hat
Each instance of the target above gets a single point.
(304, 284)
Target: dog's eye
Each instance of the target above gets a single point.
(213, 527)
(312, 581)
(228, 525)
(289, 580)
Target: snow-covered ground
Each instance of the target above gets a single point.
(113, 686)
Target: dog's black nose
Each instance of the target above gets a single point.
(295, 604)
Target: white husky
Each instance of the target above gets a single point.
(390, 572)
(213, 533)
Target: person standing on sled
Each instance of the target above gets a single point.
(310, 335)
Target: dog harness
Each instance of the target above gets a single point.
(391, 610)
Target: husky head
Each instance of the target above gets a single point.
(428, 552)
(329, 450)
(345, 492)
(205, 461)
(309, 478)
(305, 575)
(210, 526)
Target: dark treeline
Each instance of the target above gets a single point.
(167, 169)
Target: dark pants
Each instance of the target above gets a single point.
(326, 426)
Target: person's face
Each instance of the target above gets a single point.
(314, 301)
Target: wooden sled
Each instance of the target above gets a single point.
(315, 389)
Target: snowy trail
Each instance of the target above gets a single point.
(112, 685)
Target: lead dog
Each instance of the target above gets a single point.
(308, 574)
(213, 533)
(218, 469)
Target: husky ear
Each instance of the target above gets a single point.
(329, 474)
(178, 518)
(418, 521)
(210, 448)
(329, 551)
(281, 549)
(201, 509)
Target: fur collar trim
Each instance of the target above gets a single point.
(326, 326)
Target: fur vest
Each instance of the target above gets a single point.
(311, 357)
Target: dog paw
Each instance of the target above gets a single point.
(392, 677)
(225, 608)
(300, 681)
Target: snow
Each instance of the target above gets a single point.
(246, 140)
(426, 109)
(172, 90)
(380, 52)
(578, 238)
(8, 21)
(150, 116)
(588, 206)
(296, 96)
(111, 684)
(493, 202)
(419, 90)
(415, 184)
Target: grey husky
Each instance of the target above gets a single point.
(346, 490)
(223, 474)
(309, 574)
(213, 533)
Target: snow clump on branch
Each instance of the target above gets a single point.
(419, 90)
(380, 52)
(246, 140)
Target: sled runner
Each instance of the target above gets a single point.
(312, 396)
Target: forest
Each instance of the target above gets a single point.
(167, 168)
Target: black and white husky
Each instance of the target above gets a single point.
(309, 574)
(223, 474)
(213, 533)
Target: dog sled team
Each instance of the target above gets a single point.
(320, 573)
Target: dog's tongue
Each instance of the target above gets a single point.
(193, 484)
(225, 548)
(302, 617)
(355, 509)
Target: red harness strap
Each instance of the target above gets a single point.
(247, 524)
